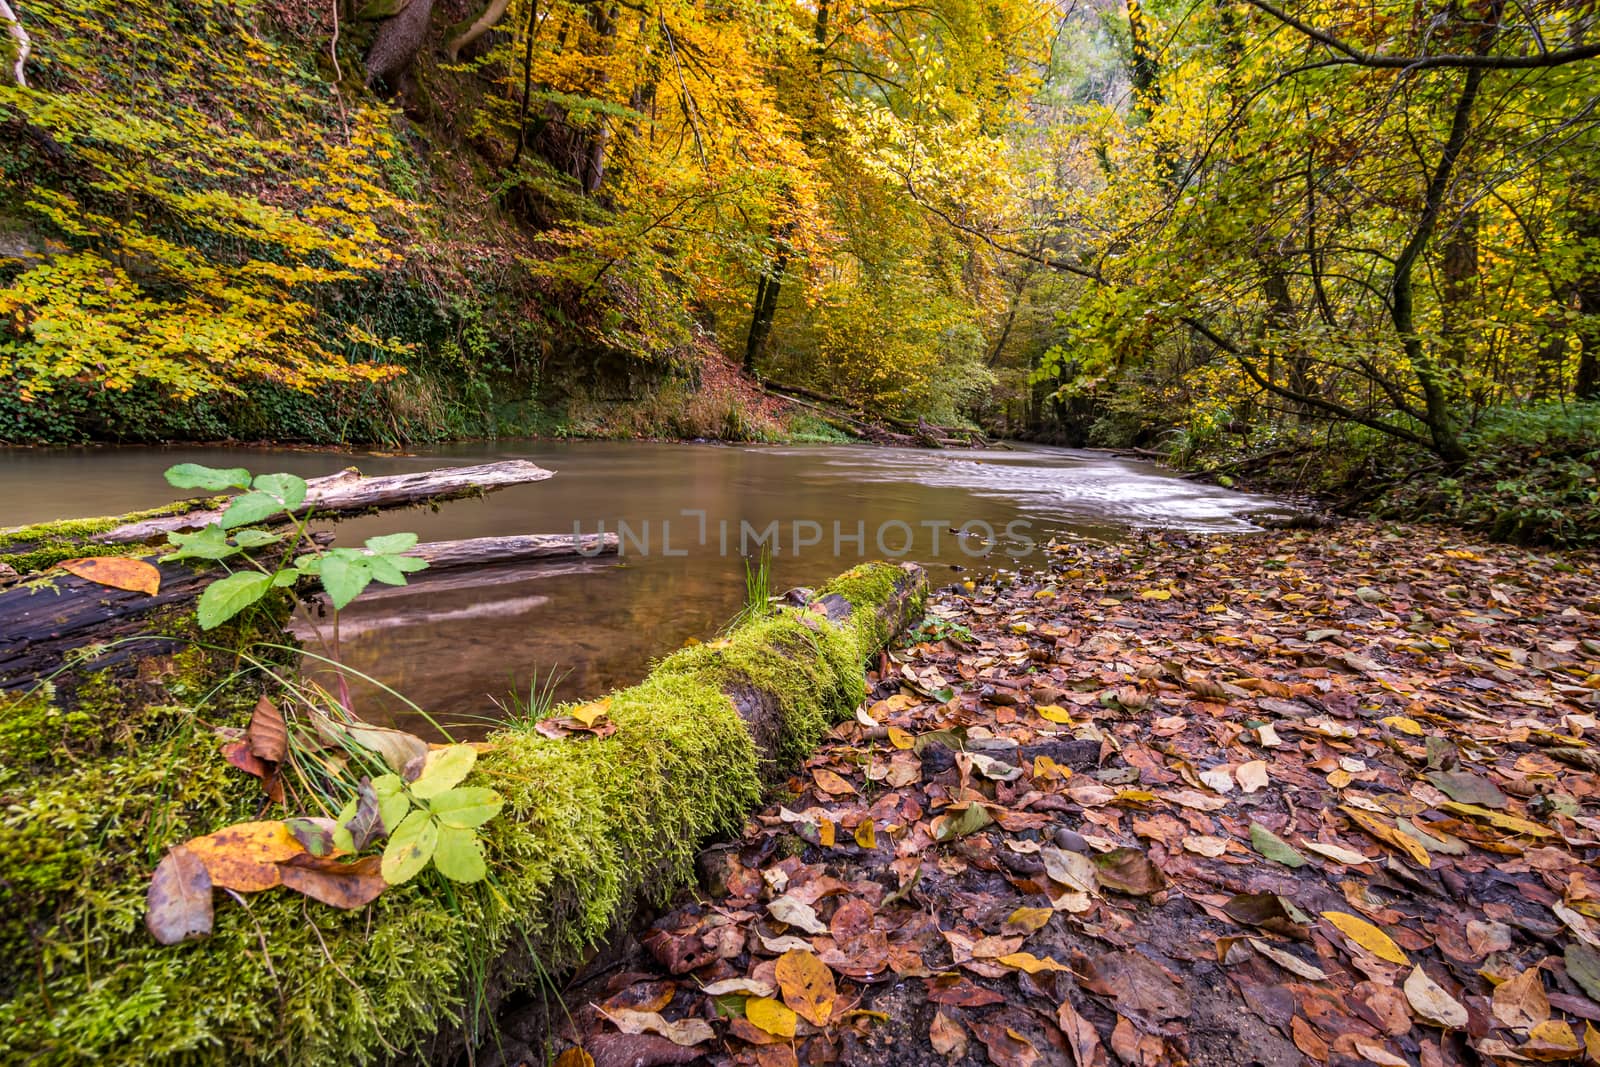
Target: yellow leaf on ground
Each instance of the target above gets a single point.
(118, 572)
(1054, 713)
(1367, 936)
(770, 1015)
(1027, 961)
(1432, 1002)
(825, 833)
(900, 739)
(807, 986)
(1499, 818)
(866, 835)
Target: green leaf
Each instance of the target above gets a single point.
(226, 597)
(410, 848)
(288, 488)
(384, 570)
(392, 544)
(284, 579)
(1464, 787)
(255, 538)
(212, 479)
(209, 543)
(344, 578)
(443, 770)
(469, 806)
(1583, 967)
(310, 563)
(459, 856)
(1274, 847)
(251, 507)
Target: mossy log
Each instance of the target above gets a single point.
(93, 795)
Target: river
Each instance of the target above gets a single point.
(457, 641)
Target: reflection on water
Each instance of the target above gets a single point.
(456, 639)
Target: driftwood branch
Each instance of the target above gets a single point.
(350, 492)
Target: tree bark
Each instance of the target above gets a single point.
(17, 54)
(396, 44)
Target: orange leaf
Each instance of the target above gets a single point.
(807, 986)
(119, 572)
(245, 857)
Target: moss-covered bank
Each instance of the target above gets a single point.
(94, 795)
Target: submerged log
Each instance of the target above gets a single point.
(516, 548)
(42, 623)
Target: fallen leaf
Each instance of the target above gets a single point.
(245, 857)
(1367, 936)
(1583, 967)
(794, 912)
(1520, 1003)
(1274, 847)
(178, 902)
(118, 572)
(1252, 776)
(1288, 961)
(807, 986)
(686, 1032)
(1081, 1036)
(1205, 845)
(771, 1016)
(1027, 920)
(947, 1036)
(832, 783)
(266, 734)
(1431, 1003)
(1129, 870)
(335, 882)
(574, 1057)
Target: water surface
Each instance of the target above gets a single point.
(456, 640)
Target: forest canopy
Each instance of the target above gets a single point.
(1201, 225)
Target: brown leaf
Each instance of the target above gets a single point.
(947, 1036)
(334, 882)
(268, 737)
(1140, 986)
(1081, 1036)
(574, 1057)
(1520, 1003)
(118, 572)
(684, 1032)
(807, 986)
(1007, 1047)
(179, 899)
(1129, 870)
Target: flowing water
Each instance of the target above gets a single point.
(456, 641)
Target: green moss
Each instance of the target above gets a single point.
(591, 827)
(27, 549)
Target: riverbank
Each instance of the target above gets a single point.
(1306, 797)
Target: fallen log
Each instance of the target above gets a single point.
(591, 827)
(43, 622)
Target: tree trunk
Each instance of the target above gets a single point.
(395, 46)
(766, 307)
(16, 53)
(1440, 420)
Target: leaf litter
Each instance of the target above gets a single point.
(1327, 798)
